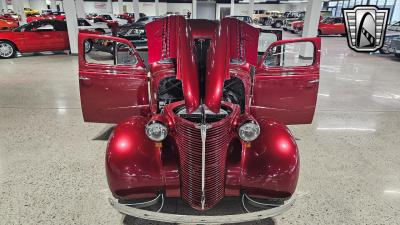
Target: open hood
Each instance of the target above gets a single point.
(231, 41)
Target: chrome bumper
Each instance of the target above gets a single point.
(191, 219)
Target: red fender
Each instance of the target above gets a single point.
(270, 166)
(133, 161)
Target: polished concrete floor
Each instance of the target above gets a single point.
(52, 172)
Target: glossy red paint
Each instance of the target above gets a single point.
(292, 91)
(186, 67)
(37, 41)
(331, 27)
(7, 24)
(162, 44)
(124, 95)
(202, 28)
(137, 167)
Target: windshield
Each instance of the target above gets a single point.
(142, 19)
(20, 28)
(327, 20)
(107, 17)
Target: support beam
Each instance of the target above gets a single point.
(120, 6)
(157, 2)
(136, 9)
(110, 7)
(3, 6)
(80, 9)
(53, 5)
(72, 24)
(232, 7)
(251, 8)
(194, 9)
(311, 22)
(18, 6)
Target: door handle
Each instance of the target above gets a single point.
(85, 81)
(312, 83)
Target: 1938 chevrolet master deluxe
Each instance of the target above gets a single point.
(205, 119)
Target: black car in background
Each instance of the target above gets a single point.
(135, 33)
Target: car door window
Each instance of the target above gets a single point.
(289, 55)
(44, 27)
(338, 20)
(102, 51)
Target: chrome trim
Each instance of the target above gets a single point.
(191, 219)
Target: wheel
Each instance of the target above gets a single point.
(397, 55)
(7, 50)
(293, 31)
(278, 24)
(88, 46)
(101, 31)
(285, 29)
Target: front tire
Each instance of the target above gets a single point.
(7, 50)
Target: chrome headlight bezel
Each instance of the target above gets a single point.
(249, 130)
(156, 130)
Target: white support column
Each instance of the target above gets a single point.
(311, 22)
(70, 14)
(120, 6)
(194, 9)
(136, 9)
(80, 9)
(53, 5)
(157, 2)
(111, 11)
(232, 7)
(251, 8)
(3, 6)
(18, 6)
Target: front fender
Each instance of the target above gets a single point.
(133, 161)
(270, 166)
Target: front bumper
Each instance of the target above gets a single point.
(136, 212)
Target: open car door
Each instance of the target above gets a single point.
(112, 79)
(287, 80)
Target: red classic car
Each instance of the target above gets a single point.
(327, 26)
(37, 36)
(205, 119)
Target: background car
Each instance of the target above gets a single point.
(101, 27)
(145, 20)
(290, 17)
(327, 26)
(7, 25)
(135, 33)
(246, 19)
(392, 32)
(37, 36)
(111, 18)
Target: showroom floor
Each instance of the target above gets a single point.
(52, 172)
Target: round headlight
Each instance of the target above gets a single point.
(249, 131)
(156, 131)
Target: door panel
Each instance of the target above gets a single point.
(112, 80)
(287, 90)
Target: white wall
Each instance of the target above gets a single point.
(180, 8)
(242, 9)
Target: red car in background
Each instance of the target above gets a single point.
(47, 15)
(7, 25)
(10, 17)
(37, 36)
(327, 26)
